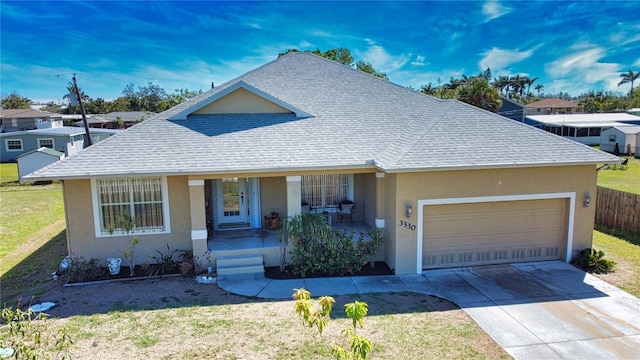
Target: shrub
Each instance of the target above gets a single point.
(318, 248)
(318, 317)
(164, 263)
(593, 261)
(81, 270)
(28, 334)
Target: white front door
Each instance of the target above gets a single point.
(232, 201)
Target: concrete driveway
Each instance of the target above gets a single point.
(546, 310)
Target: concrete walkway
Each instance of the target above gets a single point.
(545, 310)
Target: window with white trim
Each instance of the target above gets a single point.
(48, 143)
(326, 191)
(141, 199)
(14, 145)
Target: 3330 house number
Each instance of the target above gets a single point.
(407, 225)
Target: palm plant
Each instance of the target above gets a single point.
(539, 87)
(629, 77)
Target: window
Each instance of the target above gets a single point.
(326, 191)
(612, 137)
(48, 143)
(144, 199)
(14, 145)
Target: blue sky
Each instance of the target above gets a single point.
(570, 46)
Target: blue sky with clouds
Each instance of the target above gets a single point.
(570, 46)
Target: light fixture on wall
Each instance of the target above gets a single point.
(409, 210)
(587, 199)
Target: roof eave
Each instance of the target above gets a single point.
(495, 166)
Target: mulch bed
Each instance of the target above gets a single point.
(380, 268)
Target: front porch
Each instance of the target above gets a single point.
(245, 242)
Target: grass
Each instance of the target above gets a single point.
(8, 172)
(271, 330)
(624, 180)
(624, 249)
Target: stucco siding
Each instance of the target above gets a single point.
(81, 238)
(411, 187)
(273, 196)
(241, 101)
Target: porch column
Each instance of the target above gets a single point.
(380, 200)
(198, 218)
(294, 195)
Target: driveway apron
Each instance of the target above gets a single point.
(545, 310)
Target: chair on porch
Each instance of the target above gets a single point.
(345, 210)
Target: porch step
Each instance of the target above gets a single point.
(240, 264)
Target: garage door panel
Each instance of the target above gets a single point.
(495, 232)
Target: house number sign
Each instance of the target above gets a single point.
(407, 225)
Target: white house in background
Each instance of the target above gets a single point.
(37, 159)
(620, 139)
(583, 128)
(634, 111)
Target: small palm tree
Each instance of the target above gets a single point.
(629, 77)
(539, 87)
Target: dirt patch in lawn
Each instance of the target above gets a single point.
(178, 318)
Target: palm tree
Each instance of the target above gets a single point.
(529, 81)
(538, 88)
(627, 77)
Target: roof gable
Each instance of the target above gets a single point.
(240, 98)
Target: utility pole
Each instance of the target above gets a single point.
(84, 114)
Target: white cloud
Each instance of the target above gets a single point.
(498, 59)
(582, 70)
(381, 60)
(493, 9)
(419, 61)
(637, 63)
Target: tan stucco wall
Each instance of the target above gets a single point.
(273, 196)
(411, 187)
(365, 193)
(241, 101)
(81, 231)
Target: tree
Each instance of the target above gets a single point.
(368, 68)
(70, 96)
(344, 57)
(477, 91)
(629, 77)
(538, 88)
(146, 98)
(15, 101)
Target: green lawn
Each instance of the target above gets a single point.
(624, 249)
(26, 210)
(8, 172)
(624, 180)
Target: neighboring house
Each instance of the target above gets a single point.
(583, 128)
(512, 109)
(117, 120)
(620, 139)
(634, 111)
(450, 184)
(553, 106)
(36, 160)
(24, 119)
(65, 139)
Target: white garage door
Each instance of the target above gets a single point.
(493, 232)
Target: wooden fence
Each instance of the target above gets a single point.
(618, 209)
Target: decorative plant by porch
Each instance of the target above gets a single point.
(371, 246)
(127, 223)
(318, 248)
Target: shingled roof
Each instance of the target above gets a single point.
(336, 118)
